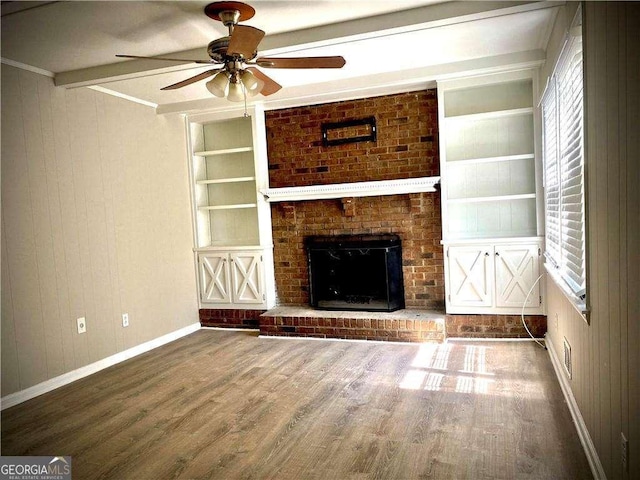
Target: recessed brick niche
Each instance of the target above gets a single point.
(406, 147)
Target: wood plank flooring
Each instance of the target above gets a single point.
(227, 405)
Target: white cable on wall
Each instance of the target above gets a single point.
(526, 299)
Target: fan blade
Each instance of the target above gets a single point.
(207, 62)
(270, 85)
(301, 62)
(193, 79)
(244, 41)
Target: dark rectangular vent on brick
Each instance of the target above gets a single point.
(355, 272)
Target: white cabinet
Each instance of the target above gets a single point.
(227, 278)
(231, 218)
(493, 278)
(491, 193)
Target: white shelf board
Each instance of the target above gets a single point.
(357, 189)
(242, 245)
(497, 240)
(504, 158)
(496, 198)
(228, 207)
(487, 115)
(211, 153)
(489, 237)
(226, 180)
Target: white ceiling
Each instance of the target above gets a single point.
(392, 45)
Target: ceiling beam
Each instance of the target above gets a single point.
(124, 70)
(431, 16)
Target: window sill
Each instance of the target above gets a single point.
(577, 303)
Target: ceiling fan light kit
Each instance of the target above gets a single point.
(236, 92)
(218, 85)
(240, 48)
(251, 83)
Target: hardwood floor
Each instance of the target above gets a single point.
(229, 405)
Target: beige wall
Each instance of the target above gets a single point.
(95, 223)
(606, 352)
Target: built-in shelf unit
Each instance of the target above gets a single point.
(490, 193)
(232, 220)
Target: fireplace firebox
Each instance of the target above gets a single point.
(355, 272)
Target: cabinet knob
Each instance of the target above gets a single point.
(486, 254)
(497, 254)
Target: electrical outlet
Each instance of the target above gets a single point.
(125, 319)
(82, 325)
(625, 452)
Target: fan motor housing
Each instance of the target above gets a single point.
(217, 50)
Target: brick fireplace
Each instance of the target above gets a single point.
(413, 217)
(406, 147)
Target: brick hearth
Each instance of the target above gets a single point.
(410, 325)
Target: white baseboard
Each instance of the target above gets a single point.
(494, 339)
(66, 378)
(581, 427)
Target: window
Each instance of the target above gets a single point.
(563, 155)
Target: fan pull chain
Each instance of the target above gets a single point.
(244, 94)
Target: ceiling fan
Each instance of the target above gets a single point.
(238, 58)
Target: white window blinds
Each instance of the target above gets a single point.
(551, 174)
(562, 117)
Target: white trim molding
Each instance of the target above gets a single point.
(29, 68)
(113, 93)
(581, 426)
(356, 189)
(47, 386)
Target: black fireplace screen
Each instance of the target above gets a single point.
(362, 272)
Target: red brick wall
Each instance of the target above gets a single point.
(495, 326)
(232, 318)
(407, 147)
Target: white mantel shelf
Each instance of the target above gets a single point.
(357, 189)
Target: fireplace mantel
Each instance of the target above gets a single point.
(357, 189)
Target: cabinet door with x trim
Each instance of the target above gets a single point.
(248, 285)
(214, 278)
(517, 270)
(470, 276)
